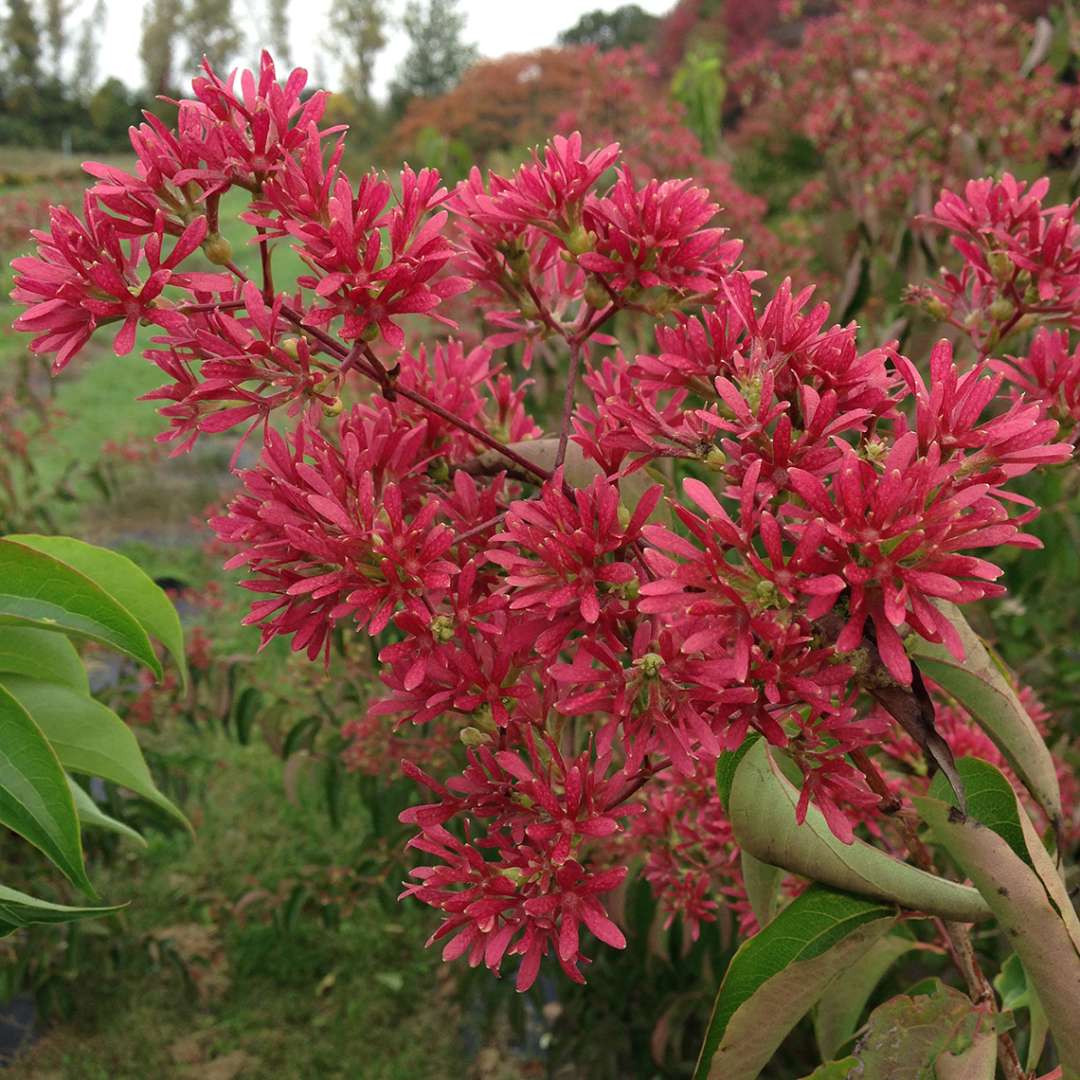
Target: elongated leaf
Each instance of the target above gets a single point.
(90, 814)
(34, 798)
(838, 1013)
(124, 582)
(762, 812)
(1017, 992)
(778, 975)
(977, 684)
(762, 883)
(1031, 906)
(38, 590)
(41, 654)
(88, 737)
(17, 909)
(990, 800)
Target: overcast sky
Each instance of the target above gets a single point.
(495, 26)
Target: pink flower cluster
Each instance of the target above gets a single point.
(582, 629)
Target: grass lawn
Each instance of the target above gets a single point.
(206, 982)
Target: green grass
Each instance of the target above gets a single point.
(363, 999)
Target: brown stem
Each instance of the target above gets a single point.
(379, 375)
(267, 272)
(889, 802)
(568, 401)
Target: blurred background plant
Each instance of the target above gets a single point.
(281, 918)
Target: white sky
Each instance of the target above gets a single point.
(495, 26)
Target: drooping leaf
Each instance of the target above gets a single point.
(762, 811)
(925, 1037)
(762, 883)
(837, 1015)
(90, 814)
(123, 580)
(38, 590)
(1032, 907)
(979, 686)
(41, 654)
(34, 798)
(727, 763)
(778, 975)
(88, 737)
(1016, 992)
(17, 909)
(990, 800)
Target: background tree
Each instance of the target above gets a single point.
(277, 13)
(210, 30)
(85, 76)
(57, 28)
(357, 32)
(619, 29)
(21, 49)
(437, 55)
(160, 38)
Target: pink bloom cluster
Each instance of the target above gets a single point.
(1020, 270)
(583, 631)
(897, 101)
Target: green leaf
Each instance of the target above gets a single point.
(125, 582)
(838, 1013)
(925, 1038)
(777, 976)
(18, 910)
(762, 813)
(833, 1070)
(727, 763)
(41, 591)
(990, 800)
(41, 654)
(979, 686)
(1016, 992)
(90, 814)
(88, 737)
(34, 798)
(762, 883)
(1032, 908)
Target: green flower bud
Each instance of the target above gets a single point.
(651, 664)
(471, 736)
(1001, 266)
(715, 459)
(217, 249)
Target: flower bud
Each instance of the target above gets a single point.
(471, 736)
(715, 459)
(596, 295)
(1001, 309)
(290, 346)
(333, 408)
(1001, 266)
(936, 308)
(442, 630)
(580, 240)
(651, 664)
(217, 249)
